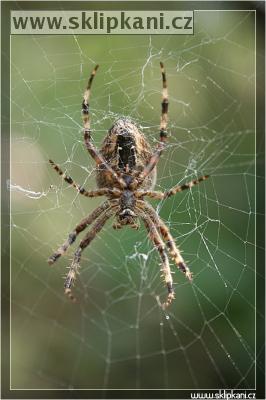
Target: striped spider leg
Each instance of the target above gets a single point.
(102, 213)
(160, 247)
(163, 134)
(91, 234)
(95, 154)
(155, 226)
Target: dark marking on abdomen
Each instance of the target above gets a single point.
(126, 151)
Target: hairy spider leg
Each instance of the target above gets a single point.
(168, 238)
(172, 191)
(159, 245)
(78, 229)
(92, 193)
(74, 267)
(95, 154)
(163, 132)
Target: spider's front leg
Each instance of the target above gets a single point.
(163, 132)
(159, 245)
(95, 154)
(75, 265)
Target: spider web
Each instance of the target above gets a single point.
(117, 336)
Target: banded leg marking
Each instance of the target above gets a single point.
(78, 229)
(75, 265)
(159, 245)
(80, 189)
(172, 191)
(163, 133)
(168, 238)
(95, 154)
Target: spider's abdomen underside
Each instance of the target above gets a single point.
(125, 147)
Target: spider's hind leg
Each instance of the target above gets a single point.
(168, 238)
(78, 229)
(71, 275)
(159, 245)
(75, 265)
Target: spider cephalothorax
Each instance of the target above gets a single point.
(125, 174)
(126, 214)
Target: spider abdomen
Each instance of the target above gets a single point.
(125, 149)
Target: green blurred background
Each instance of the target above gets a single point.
(117, 336)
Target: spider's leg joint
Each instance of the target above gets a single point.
(72, 237)
(85, 108)
(81, 190)
(163, 133)
(52, 259)
(170, 297)
(170, 287)
(165, 104)
(68, 179)
(185, 269)
(87, 133)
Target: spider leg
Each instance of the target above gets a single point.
(169, 240)
(95, 154)
(172, 191)
(79, 228)
(74, 267)
(165, 104)
(80, 189)
(163, 133)
(159, 245)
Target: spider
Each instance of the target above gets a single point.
(125, 174)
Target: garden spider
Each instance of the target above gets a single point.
(125, 174)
